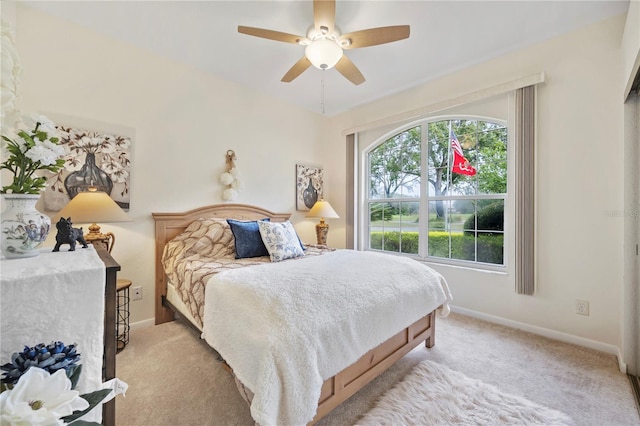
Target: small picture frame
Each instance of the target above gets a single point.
(309, 186)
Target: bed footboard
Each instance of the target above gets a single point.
(343, 385)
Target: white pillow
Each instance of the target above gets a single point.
(280, 239)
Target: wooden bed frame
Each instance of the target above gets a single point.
(336, 389)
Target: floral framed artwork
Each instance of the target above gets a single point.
(309, 186)
(93, 158)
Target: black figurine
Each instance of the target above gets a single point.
(68, 235)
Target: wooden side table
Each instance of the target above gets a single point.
(122, 324)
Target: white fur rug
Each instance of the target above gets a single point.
(432, 394)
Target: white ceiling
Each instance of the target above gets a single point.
(445, 36)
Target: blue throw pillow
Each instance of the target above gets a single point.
(247, 238)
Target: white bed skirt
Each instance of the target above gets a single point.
(174, 298)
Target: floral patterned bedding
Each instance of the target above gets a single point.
(205, 248)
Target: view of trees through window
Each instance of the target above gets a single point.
(460, 194)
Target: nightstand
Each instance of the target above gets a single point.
(122, 324)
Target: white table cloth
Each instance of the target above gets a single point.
(56, 297)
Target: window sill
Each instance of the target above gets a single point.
(480, 267)
(497, 270)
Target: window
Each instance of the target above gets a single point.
(437, 190)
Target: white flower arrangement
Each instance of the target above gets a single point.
(38, 388)
(30, 151)
(40, 398)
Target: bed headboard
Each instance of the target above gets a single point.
(168, 225)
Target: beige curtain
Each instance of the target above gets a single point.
(351, 191)
(524, 191)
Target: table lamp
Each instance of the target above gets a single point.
(94, 206)
(322, 209)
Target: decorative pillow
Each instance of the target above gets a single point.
(210, 237)
(281, 240)
(247, 238)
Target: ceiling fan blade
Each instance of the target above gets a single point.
(270, 34)
(349, 70)
(374, 36)
(324, 15)
(296, 70)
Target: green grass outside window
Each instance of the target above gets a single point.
(490, 245)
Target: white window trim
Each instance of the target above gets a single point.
(423, 256)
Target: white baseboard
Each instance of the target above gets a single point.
(143, 324)
(546, 332)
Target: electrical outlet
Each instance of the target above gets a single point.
(137, 293)
(582, 307)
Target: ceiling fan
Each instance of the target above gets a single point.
(325, 45)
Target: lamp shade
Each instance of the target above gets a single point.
(93, 206)
(323, 53)
(323, 209)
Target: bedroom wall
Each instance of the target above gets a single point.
(579, 176)
(182, 121)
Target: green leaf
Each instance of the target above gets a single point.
(41, 135)
(73, 373)
(94, 398)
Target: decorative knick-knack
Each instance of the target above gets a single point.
(24, 228)
(229, 178)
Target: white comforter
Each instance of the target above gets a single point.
(286, 327)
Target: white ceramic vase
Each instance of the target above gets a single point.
(24, 228)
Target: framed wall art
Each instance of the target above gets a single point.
(93, 158)
(309, 186)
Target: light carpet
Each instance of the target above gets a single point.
(175, 379)
(433, 394)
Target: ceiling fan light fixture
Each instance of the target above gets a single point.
(324, 43)
(323, 53)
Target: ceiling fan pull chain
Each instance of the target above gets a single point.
(322, 93)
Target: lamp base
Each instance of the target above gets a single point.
(322, 230)
(97, 238)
